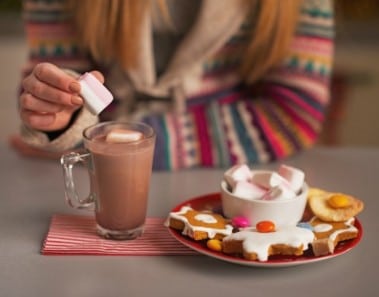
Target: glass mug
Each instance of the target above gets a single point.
(119, 178)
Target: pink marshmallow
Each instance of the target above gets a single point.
(267, 179)
(123, 135)
(280, 192)
(96, 96)
(248, 190)
(237, 173)
(295, 177)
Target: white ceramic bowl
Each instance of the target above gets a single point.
(281, 212)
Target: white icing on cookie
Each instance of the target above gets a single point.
(322, 228)
(350, 228)
(259, 243)
(204, 218)
(333, 236)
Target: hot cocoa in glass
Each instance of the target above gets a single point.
(120, 172)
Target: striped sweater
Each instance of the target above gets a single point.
(220, 120)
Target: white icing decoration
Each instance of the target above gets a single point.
(190, 229)
(332, 237)
(206, 218)
(350, 228)
(259, 243)
(322, 228)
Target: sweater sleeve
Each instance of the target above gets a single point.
(272, 120)
(50, 38)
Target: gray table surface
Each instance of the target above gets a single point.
(32, 191)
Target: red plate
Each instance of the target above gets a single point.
(213, 202)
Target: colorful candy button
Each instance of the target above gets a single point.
(214, 245)
(240, 222)
(265, 226)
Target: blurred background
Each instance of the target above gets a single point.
(353, 119)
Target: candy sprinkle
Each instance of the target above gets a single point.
(214, 245)
(240, 222)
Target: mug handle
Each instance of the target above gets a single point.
(68, 162)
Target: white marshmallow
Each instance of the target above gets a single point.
(267, 179)
(280, 192)
(237, 173)
(123, 135)
(96, 96)
(295, 177)
(248, 190)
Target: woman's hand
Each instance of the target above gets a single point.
(50, 97)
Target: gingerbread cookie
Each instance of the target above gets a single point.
(333, 207)
(254, 245)
(329, 234)
(199, 225)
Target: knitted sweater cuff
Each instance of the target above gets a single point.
(69, 139)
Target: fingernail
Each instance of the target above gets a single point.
(76, 100)
(74, 87)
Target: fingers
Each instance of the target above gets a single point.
(48, 100)
(50, 97)
(45, 121)
(98, 75)
(31, 103)
(51, 84)
(39, 121)
(54, 76)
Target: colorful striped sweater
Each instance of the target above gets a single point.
(222, 121)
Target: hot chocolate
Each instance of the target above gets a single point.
(121, 177)
(119, 158)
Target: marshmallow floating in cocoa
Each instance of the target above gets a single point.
(123, 136)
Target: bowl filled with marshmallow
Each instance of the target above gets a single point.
(253, 196)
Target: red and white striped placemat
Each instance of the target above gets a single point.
(76, 235)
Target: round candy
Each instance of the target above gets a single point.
(214, 245)
(240, 222)
(265, 226)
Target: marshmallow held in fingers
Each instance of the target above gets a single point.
(295, 177)
(237, 173)
(123, 135)
(96, 96)
(248, 190)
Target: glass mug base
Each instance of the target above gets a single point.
(120, 234)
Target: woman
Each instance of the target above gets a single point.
(221, 82)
